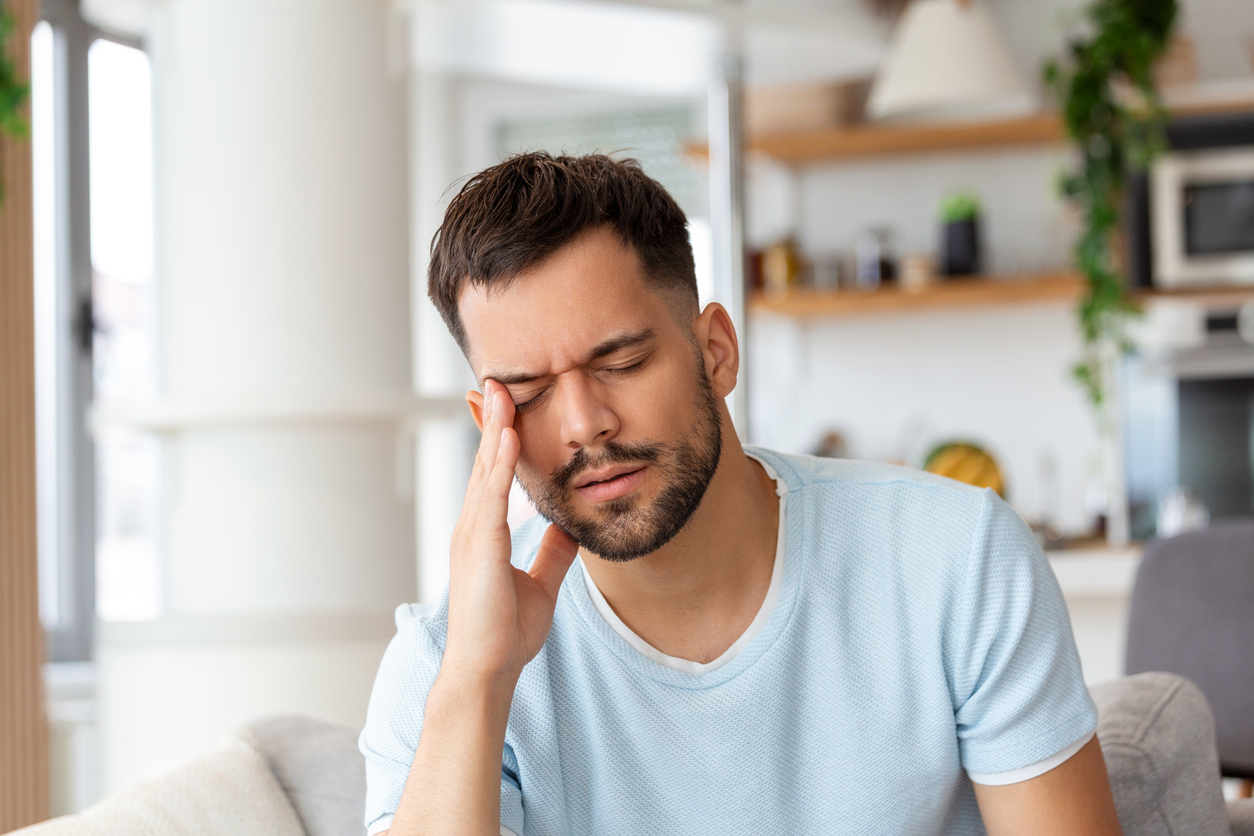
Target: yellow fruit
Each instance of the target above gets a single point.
(967, 463)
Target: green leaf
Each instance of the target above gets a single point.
(1120, 42)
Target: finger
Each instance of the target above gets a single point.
(557, 552)
(494, 503)
(491, 429)
(503, 415)
(495, 395)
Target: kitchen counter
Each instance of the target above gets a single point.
(1097, 585)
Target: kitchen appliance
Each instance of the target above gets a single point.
(1188, 410)
(1202, 217)
(1190, 220)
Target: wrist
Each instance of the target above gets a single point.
(467, 688)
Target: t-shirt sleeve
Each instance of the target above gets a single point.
(394, 723)
(1018, 692)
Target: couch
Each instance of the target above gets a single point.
(293, 776)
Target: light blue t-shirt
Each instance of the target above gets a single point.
(918, 636)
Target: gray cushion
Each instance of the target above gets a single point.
(321, 770)
(1191, 614)
(1241, 817)
(1158, 739)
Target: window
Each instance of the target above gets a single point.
(91, 144)
(124, 302)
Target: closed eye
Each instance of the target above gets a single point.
(530, 404)
(625, 369)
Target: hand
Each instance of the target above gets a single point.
(499, 616)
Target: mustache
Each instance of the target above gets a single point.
(614, 452)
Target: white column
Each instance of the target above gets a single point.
(283, 249)
(445, 449)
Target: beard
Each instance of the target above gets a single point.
(626, 528)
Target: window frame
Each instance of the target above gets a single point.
(71, 637)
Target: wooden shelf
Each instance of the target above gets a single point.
(1211, 297)
(871, 140)
(877, 140)
(946, 293)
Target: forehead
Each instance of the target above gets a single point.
(549, 317)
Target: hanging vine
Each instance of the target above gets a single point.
(1113, 114)
(13, 91)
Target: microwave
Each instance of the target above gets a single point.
(1202, 217)
(1189, 220)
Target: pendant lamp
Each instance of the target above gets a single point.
(947, 62)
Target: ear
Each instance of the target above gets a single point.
(717, 337)
(475, 400)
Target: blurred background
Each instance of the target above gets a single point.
(251, 439)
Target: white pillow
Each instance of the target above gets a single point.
(228, 792)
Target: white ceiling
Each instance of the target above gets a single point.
(668, 47)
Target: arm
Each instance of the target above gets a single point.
(1072, 799)
(499, 618)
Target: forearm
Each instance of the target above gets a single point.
(454, 785)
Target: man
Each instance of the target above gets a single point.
(747, 642)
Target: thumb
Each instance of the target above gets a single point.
(557, 551)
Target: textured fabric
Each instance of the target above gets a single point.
(919, 632)
(611, 618)
(1027, 773)
(228, 792)
(1192, 613)
(320, 768)
(1241, 816)
(1159, 743)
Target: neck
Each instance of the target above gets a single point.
(693, 597)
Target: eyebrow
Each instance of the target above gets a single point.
(603, 349)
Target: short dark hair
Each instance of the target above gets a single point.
(510, 217)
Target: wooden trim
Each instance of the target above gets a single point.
(24, 779)
(946, 293)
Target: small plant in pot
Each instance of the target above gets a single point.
(960, 234)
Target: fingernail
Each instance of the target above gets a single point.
(487, 404)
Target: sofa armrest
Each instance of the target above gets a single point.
(227, 792)
(320, 768)
(1158, 737)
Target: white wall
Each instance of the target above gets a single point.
(897, 384)
(894, 384)
(283, 274)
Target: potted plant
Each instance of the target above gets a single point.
(1113, 115)
(960, 216)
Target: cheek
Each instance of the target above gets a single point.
(665, 400)
(540, 448)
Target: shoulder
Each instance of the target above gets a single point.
(838, 481)
(884, 513)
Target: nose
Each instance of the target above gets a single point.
(587, 418)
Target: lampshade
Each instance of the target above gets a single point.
(947, 62)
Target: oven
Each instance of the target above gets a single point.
(1188, 411)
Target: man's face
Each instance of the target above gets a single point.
(620, 428)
